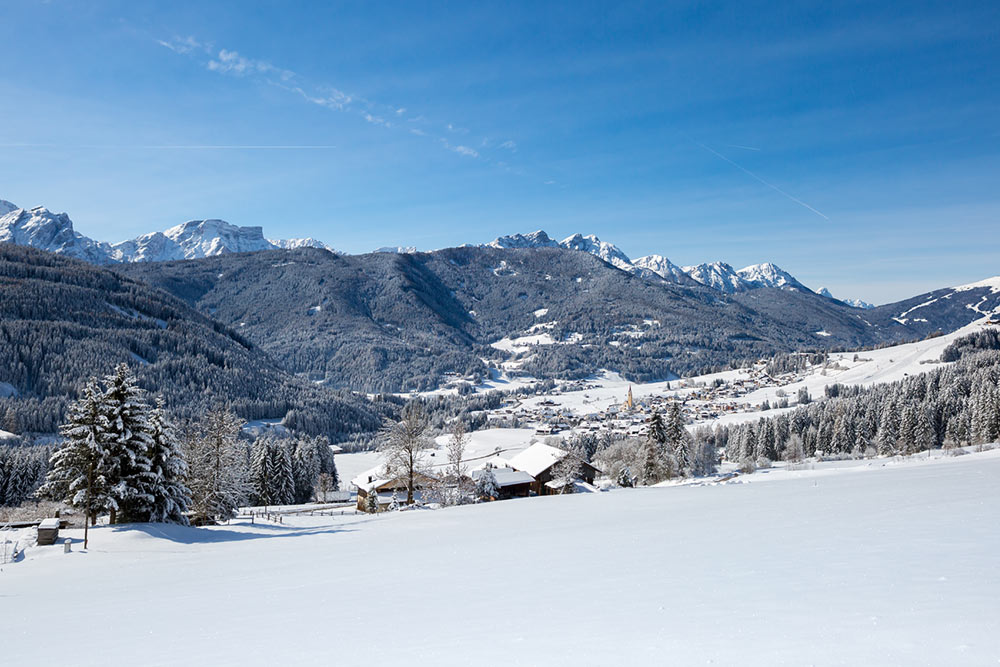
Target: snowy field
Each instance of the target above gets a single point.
(857, 563)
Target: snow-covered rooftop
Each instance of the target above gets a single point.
(537, 459)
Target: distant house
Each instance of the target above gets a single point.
(375, 481)
(539, 460)
(512, 483)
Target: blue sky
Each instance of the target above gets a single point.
(854, 145)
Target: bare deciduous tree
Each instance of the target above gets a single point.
(403, 444)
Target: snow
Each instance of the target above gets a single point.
(992, 283)
(537, 458)
(541, 312)
(886, 562)
(513, 344)
(823, 333)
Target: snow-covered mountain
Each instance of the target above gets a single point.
(717, 275)
(769, 275)
(854, 303)
(397, 250)
(589, 243)
(41, 228)
(726, 279)
(309, 242)
(595, 246)
(663, 267)
(537, 239)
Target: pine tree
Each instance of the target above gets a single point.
(925, 435)
(887, 438)
(679, 439)
(657, 429)
(487, 487)
(908, 430)
(284, 474)
(625, 478)
(371, 501)
(77, 469)
(128, 468)
(305, 468)
(171, 497)
(260, 471)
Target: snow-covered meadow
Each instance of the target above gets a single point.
(863, 562)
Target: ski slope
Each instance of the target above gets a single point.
(862, 563)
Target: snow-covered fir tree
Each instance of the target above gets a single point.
(305, 468)
(171, 497)
(487, 487)
(128, 467)
(371, 501)
(260, 474)
(77, 469)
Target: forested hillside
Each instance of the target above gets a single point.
(399, 322)
(63, 320)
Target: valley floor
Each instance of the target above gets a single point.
(883, 562)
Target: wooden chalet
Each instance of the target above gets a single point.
(375, 481)
(538, 461)
(512, 483)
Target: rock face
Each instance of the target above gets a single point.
(43, 229)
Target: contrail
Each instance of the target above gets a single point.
(759, 179)
(745, 148)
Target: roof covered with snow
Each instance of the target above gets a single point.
(506, 476)
(537, 459)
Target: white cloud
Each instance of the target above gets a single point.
(182, 45)
(465, 150)
(231, 62)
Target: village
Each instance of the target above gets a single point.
(523, 463)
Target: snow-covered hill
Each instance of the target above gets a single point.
(888, 562)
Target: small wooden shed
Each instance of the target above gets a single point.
(48, 531)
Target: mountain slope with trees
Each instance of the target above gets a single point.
(63, 320)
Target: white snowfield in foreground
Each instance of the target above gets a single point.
(873, 563)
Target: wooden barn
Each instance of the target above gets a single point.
(512, 483)
(375, 481)
(539, 460)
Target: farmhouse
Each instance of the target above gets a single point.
(375, 481)
(512, 483)
(539, 460)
